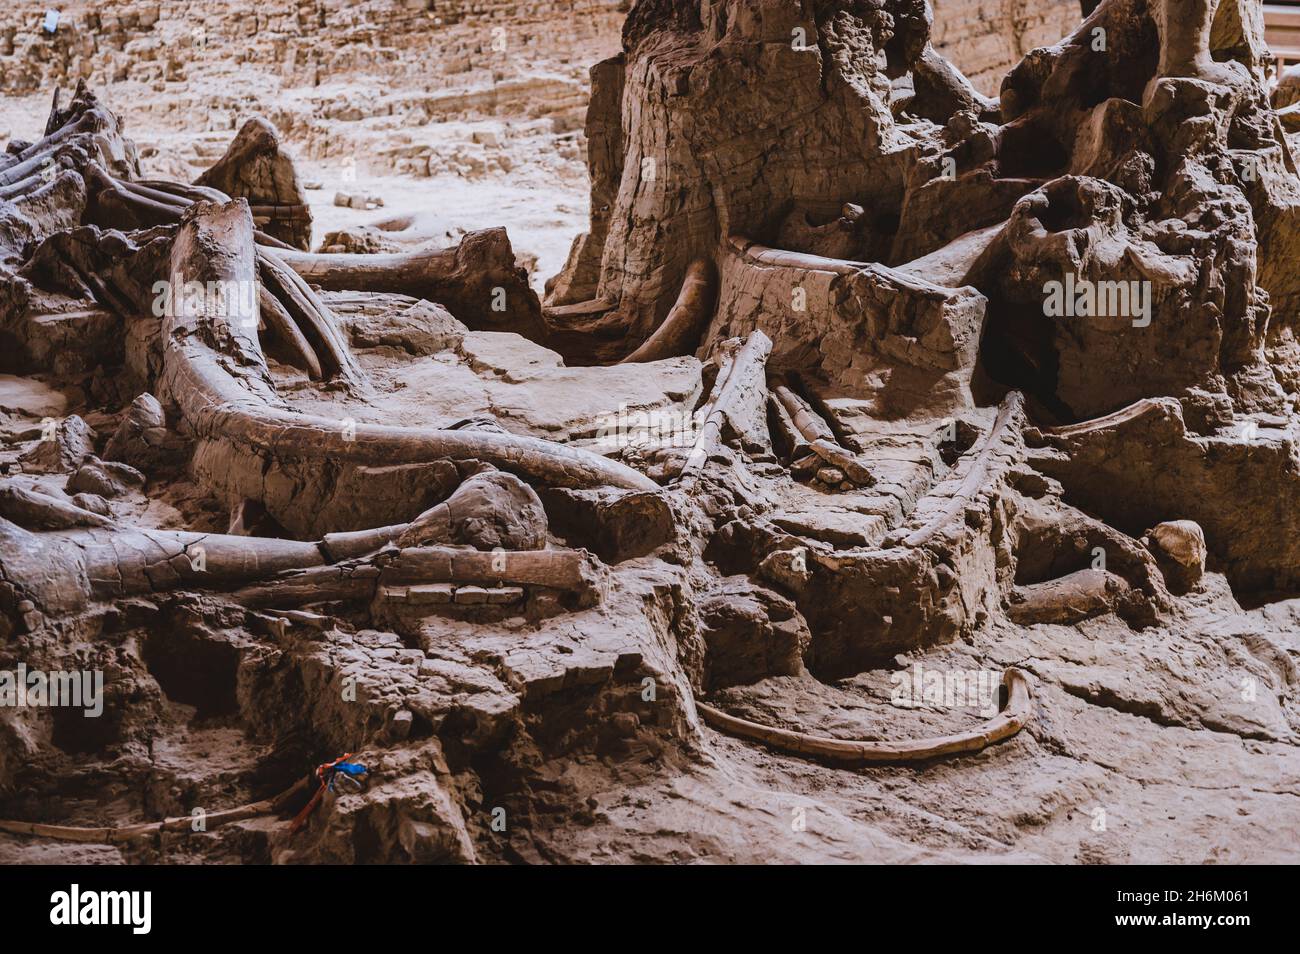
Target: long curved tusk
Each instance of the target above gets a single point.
(685, 323)
(119, 834)
(1008, 722)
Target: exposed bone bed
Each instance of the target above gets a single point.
(920, 459)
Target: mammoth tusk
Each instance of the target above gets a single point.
(686, 321)
(119, 834)
(1019, 710)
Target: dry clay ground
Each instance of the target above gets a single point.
(543, 204)
(1170, 744)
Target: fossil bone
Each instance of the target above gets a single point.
(743, 383)
(477, 280)
(1014, 717)
(687, 320)
(215, 243)
(123, 834)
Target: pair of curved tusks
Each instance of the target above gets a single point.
(226, 395)
(1019, 710)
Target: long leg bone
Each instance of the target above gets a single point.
(477, 280)
(87, 558)
(572, 571)
(744, 379)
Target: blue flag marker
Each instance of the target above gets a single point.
(51, 21)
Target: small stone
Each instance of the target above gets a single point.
(307, 619)
(546, 602)
(625, 724)
(471, 595)
(787, 568)
(1179, 548)
(357, 200)
(62, 447)
(400, 728)
(94, 503)
(139, 439)
(805, 465)
(830, 476)
(104, 478)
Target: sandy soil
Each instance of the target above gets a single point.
(541, 222)
(543, 205)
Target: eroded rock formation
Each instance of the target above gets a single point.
(874, 423)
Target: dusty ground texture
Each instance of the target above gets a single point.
(551, 534)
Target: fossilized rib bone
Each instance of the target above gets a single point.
(1008, 722)
(1124, 415)
(91, 121)
(142, 203)
(123, 204)
(759, 254)
(301, 321)
(278, 319)
(84, 131)
(311, 316)
(686, 321)
(214, 371)
(975, 476)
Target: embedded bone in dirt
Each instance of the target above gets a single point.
(875, 423)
